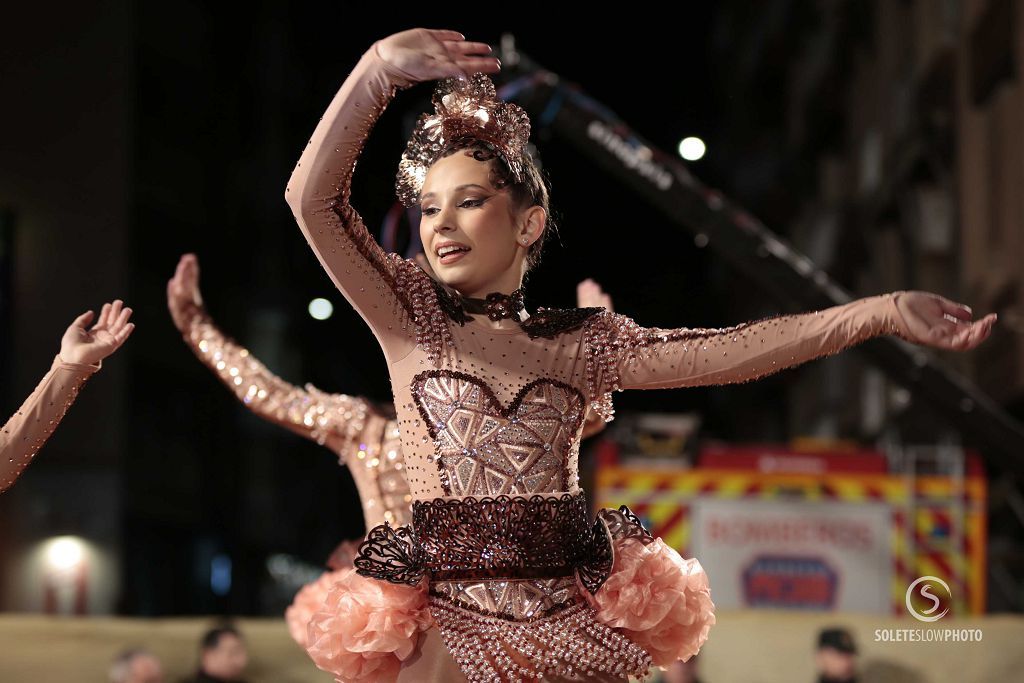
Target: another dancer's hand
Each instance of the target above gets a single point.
(89, 345)
(430, 54)
(184, 300)
(933, 320)
(590, 295)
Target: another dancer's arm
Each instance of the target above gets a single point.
(329, 419)
(590, 295)
(320, 186)
(81, 353)
(634, 357)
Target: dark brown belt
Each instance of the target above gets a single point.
(503, 537)
(454, 539)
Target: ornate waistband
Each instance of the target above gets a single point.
(505, 537)
(497, 538)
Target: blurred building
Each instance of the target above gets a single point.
(878, 136)
(895, 130)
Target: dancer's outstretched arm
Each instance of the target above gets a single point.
(82, 350)
(627, 356)
(329, 419)
(377, 284)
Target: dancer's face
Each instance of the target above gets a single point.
(461, 209)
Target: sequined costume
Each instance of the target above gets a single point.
(363, 436)
(30, 427)
(491, 416)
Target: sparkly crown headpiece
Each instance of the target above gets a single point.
(463, 110)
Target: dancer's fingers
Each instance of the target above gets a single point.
(467, 48)
(175, 282)
(975, 333)
(124, 333)
(123, 317)
(964, 339)
(587, 293)
(115, 310)
(954, 309)
(446, 34)
(104, 314)
(989, 322)
(487, 65)
(191, 270)
(83, 320)
(115, 325)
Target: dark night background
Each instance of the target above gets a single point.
(135, 132)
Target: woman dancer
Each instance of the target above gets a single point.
(82, 350)
(490, 399)
(361, 434)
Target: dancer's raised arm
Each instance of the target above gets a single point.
(377, 284)
(82, 350)
(329, 419)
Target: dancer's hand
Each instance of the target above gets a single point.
(589, 295)
(932, 320)
(430, 54)
(184, 300)
(89, 345)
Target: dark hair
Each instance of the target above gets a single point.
(211, 639)
(533, 190)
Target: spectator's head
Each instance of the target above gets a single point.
(222, 653)
(836, 657)
(136, 666)
(682, 672)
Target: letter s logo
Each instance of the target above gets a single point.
(928, 615)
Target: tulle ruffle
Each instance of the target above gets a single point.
(367, 628)
(659, 600)
(310, 599)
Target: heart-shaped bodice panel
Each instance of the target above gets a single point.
(484, 448)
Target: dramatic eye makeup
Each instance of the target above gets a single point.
(465, 203)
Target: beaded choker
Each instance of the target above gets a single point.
(546, 322)
(496, 306)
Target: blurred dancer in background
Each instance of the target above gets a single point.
(82, 350)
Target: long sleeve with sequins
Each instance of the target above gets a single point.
(627, 356)
(333, 419)
(319, 195)
(363, 436)
(30, 427)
